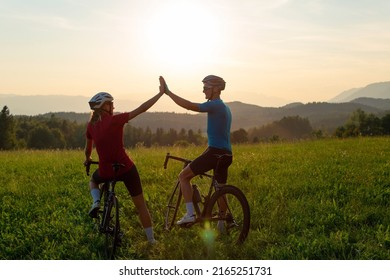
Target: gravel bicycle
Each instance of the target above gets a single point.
(231, 224)
(108, 215)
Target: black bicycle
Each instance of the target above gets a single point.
(108, 215)
(223, 209)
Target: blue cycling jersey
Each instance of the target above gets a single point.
(219, 120)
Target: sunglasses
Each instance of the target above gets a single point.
(206, 88)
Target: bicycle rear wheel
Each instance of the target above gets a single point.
(112, 227)
(232, 225)
(173, 207)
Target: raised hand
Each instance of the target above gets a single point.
(162, 85)
(162, 82)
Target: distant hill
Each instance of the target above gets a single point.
(380, 103)
(38, 104)
(374, 98)
(375, 90)
(325, 116)
(321, 115)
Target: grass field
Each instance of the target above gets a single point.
(324, 199)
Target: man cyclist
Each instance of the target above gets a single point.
(219, 120)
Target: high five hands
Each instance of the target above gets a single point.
(186, 104)
(163, 86)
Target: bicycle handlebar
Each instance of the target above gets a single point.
(115, 166)
(168, 156)
(88, 165)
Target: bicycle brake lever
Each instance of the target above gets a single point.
(87, 167)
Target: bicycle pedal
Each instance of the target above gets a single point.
(187, 225)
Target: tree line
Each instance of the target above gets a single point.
(38, 132)
(362, 124)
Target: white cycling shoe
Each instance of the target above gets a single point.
(186, 220)
(94, 209)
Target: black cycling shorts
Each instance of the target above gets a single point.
(208, 161)
(131, 180)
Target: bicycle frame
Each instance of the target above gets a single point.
(225, 207)
(214, 185)
(110, 183)
(110, 212)
(107, 190)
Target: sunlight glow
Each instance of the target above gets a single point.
(182, 35)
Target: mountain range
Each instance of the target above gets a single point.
(375, 90)
(374, 98)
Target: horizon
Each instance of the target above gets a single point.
(270, 53)
(67, 104)
(121, 105)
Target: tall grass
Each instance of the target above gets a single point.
(325, 199)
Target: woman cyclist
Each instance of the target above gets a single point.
(105, 130)
(219, 120)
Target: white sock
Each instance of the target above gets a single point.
(95, 193)
(149, 234)
(221, 226)
(190, 209)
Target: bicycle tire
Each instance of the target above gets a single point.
(173, 207)
(103, 201)
(232, 226)
(112, 227)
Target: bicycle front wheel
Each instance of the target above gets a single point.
(173, 207)
(228, 214)
(112, 227)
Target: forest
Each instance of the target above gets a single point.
(39, 132)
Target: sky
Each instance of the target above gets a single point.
(270, 53)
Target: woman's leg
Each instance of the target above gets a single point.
(133, 185)
(144, 216)
(143, 211)
(95, 193)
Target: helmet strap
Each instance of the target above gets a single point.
(107, 111)
(212, 94)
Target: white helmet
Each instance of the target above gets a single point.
(98, 100)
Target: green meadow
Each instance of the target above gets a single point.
(324, 199)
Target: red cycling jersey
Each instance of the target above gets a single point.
(107, 134)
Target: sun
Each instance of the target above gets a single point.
(182, 34)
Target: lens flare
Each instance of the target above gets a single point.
(208, 236)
